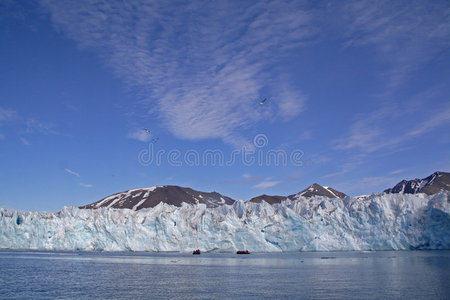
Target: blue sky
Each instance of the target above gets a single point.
(357, 96)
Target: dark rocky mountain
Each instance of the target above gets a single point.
(174, 195)
(268, 199)
(436, 182)
(150, 197)
(311, 191)
(318, 190)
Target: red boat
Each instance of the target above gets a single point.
(196, 252)
(242, 252)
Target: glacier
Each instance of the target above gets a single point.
(375, 222)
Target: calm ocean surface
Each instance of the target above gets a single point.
(324, 275)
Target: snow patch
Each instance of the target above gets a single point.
(149, 189)
(105, 200)
(139, 204)
(328, 189)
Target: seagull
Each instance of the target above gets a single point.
(147, 130)
(155, 140)
(262, 101)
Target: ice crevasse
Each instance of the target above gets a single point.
(376, 222)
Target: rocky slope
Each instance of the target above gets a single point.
(150, 197)
(311, 191)
(436, 182)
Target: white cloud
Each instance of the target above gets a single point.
(397, 171)
(376, 181)
(86, 185)
(367, 185)
(334, 174)
(25, 142)
(248, 179)
(33, 125)
(367, 133)
(140, 135)
(436, 120)
(290, 102)
(6, 115)
(405, 34)
(377, 130)
(72, 172)
(70, 106)
(266, 184)
(306, 135)
(201, 66)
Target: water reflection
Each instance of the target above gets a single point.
(341, 275)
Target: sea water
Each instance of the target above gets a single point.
(300, 275)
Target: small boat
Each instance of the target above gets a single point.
(242, 252)
(196, 252)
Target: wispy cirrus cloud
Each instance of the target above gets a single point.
(368, 185)
(383, 132)
(368, 132)
(334, 174)
(399, 171)
(266, 184)
(34, 125)
(6, 115)
(305, 135)
(86, 185)
(350, 163)
(249, 179)
(246, 179)
(24, 125)
(199, 66)
(25, 141)
(436, 120)
(373, 184)
(406, 34)
(140, 135)
(72, 172)
(378, 130)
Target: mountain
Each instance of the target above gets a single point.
(137, 199)
(436, 182)
(388, 221)
(150, 197)
(318, 190)
(311, 191)
(268, 199)
(378, 222)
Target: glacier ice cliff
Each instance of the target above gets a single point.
(376, 222)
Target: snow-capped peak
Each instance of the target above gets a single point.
(311, 191)
(317, 190)
(137, 199)
(432, 184)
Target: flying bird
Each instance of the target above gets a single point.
(155, 140)
(262, 101)
(147, 130)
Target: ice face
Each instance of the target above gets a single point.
(376, 222)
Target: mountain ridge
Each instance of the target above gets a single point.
(314, 189)
(141, 198)
(430, 185)
(136, 199)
